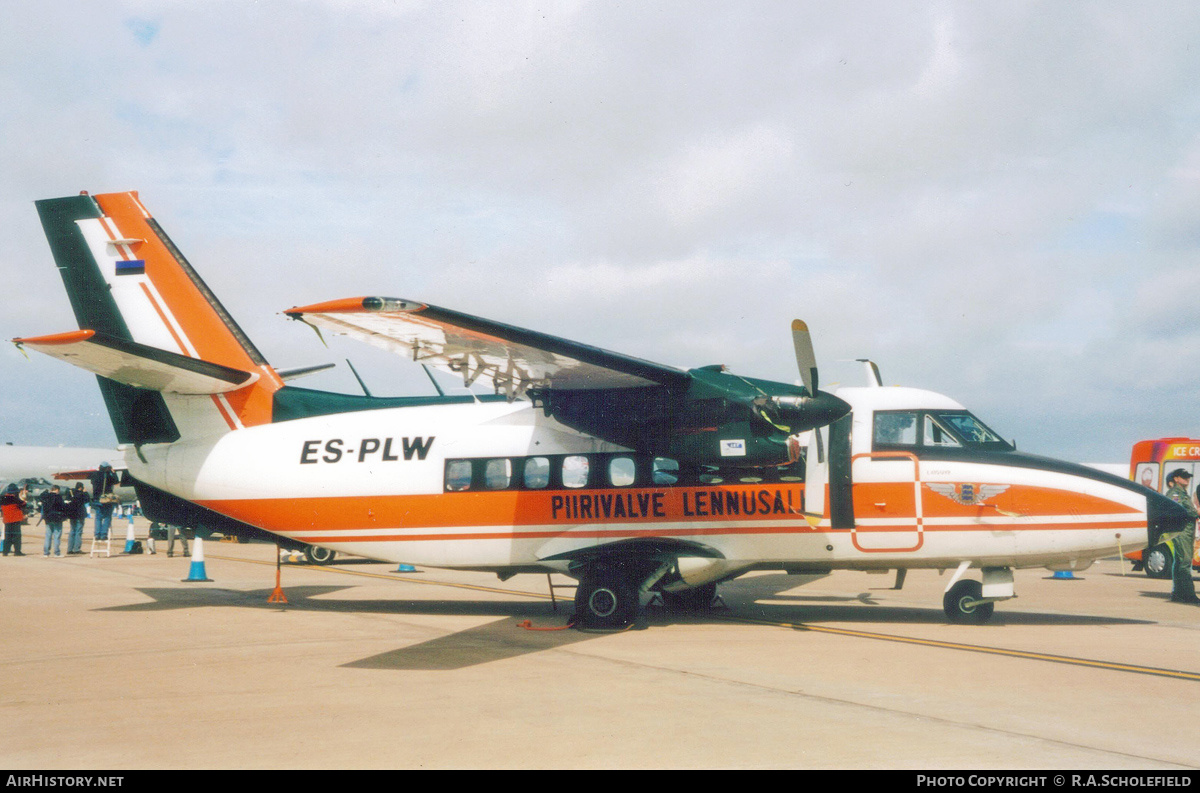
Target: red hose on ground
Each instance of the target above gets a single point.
(529, 626)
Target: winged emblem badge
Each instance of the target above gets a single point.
(967, 494)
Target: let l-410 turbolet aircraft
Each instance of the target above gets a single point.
(628, 475)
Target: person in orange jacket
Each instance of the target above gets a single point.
(12, 506)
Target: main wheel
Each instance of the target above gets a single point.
(961, 604)
(695, 599)
(1158, 561)
(606, 599)
(315, 554)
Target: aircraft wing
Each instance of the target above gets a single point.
(514, 359)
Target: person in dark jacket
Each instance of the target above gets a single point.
(54, 512)
(77, 506)
(103, 499)
(12, 506)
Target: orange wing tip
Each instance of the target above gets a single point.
(358, 305)
(71, 337)
(799, 324)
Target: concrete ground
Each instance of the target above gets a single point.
(117, 663)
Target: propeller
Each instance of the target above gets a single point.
(816, 409)
(806, 359)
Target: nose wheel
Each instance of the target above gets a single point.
(964, 604)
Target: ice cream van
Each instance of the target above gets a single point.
(1150, 464)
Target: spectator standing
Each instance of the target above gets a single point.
(77, 505)
(104, 501)
(12, 506)
(54, 512)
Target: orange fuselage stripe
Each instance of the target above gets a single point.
(756, 509)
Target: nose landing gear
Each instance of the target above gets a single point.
(964, 604)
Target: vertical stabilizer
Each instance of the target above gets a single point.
(127, 280)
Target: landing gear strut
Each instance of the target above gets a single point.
(695, 599)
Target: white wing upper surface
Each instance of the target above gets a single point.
(512, 359)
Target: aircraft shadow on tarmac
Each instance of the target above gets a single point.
(745, 595)
(505, 638)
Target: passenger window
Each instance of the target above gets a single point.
(497, 474)
(575, 471)
(897, 428)
(537, 473)
(665, 471)
(458, 474)
(621, 471)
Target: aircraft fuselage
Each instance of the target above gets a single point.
(499, 485)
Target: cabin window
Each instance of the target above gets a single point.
(458, 474)
(896, 428)
(497, 474)
(621, 472)
(537, 473)
(575, 471)
(665, 471)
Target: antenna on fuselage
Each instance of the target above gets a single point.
(361, 384)
(429, 374)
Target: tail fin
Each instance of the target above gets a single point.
(128, 282)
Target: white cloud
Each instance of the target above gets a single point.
(997, 201)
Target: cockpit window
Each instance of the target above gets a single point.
(936, 429)
(937, 435)
(896, 428)
(972, 431)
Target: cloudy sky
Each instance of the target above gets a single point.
(997, 201)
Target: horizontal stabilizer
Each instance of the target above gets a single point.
(139, 365)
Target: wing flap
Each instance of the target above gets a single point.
(139, 365)
(513, 359)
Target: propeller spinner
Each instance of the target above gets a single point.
(816, 409)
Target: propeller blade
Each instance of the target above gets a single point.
(806, 360)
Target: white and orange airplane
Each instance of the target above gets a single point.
(628, 475)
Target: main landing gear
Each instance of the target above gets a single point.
(609, 595)
(606, 597)
(315, 554)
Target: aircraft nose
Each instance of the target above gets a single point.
(1164, 516)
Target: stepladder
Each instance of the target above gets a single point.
(101, 546)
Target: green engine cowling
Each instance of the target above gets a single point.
(719, 419)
